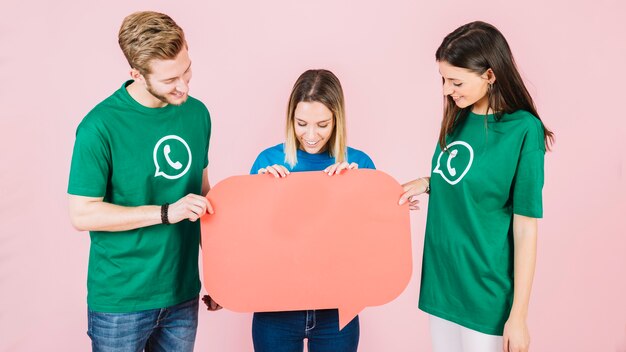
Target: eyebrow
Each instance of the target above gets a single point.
(450, 78)
(169, 79)
(300, 120)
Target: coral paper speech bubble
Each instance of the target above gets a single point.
(307, 241)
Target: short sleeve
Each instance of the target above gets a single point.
(361, 159)
(367, 163)
(258, 163)
(90, 168)
(529, 176)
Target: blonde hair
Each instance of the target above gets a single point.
(320, 86)
(148, 35)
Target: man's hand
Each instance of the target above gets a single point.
(191, 206)
(210, 303)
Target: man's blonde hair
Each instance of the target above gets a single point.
(145, 36)
(324, 87)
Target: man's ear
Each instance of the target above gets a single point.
(136, 75)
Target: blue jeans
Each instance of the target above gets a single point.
(285, 332)
(166, 329)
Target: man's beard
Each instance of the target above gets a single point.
(162, 98)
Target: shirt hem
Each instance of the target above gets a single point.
(462, 322)
(84, 192)
(529, 213)
(139, 307)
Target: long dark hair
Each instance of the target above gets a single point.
(479, 46)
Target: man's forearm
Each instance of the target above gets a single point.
(94, 215)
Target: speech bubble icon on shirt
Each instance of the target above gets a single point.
(458, 158)
(165, 164)
(307, 241)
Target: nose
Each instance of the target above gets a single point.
(182, 86)
(310, 133)
(447, 89)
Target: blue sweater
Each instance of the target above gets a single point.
(306, 161)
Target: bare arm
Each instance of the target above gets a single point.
(516, 336)
(206, 186)
(93, 214)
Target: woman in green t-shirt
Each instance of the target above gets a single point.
(485, 197)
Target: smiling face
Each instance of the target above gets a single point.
(169, 80)
(313, 126)
(466, 87)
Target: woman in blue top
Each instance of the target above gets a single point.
(315, 141)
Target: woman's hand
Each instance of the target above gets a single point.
(276, 170)
(515, 336)
(336, 168)
(412, 189)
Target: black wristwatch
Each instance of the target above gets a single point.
(164, 218)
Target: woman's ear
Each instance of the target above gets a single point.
(489, 76)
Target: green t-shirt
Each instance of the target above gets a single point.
(133, 155)
(487, 175)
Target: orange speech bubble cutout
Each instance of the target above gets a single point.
(308, 241)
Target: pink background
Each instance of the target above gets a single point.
(59, 59)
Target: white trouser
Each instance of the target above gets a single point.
(451, 337)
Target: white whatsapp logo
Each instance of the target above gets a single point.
(455, 177)
(175, 169)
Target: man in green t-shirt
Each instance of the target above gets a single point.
(137, 183)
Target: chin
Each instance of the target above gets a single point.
(461, 105)
(309, 150)
(179, 101)
(312, 151)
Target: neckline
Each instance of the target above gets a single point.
(489, 117)
(319, 156)
(135, 104)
